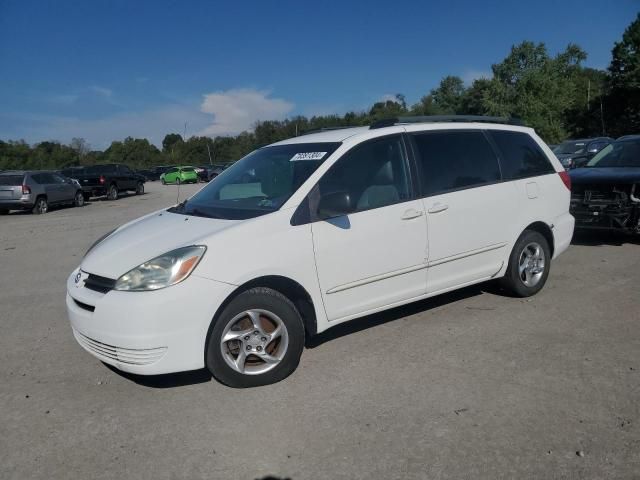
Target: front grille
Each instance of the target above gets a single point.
(85, 306)
(99, 284)
(131, 356)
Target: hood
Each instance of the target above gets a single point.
(605, 175)
(147, 238)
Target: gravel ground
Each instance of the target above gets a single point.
(467, 385)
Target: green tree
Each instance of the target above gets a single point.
(538, 88)
(622, 104)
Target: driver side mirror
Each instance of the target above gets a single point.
(335, 204)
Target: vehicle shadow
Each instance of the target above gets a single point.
(397, 313)
(169, 380)
(594, 238)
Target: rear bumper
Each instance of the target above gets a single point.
(94, 191)
(563, 227)
(24, 203)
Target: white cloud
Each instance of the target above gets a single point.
(237, 110)
(470, 75)
(102, 91)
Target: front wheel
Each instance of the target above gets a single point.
(529, 265)
(178, 181)
(112, 193)
(163, 181)
(257, 340)
(140, 188)
(78, 201)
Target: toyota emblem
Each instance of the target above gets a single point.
(78, 277)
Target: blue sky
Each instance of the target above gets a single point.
(105, 69)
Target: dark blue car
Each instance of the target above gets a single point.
(605, 193)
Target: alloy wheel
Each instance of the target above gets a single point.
(254, 342)
(531, 264)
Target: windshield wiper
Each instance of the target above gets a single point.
(199, 213)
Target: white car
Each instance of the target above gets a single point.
(317, 230)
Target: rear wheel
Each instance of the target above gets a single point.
(256, 340)
(140, 188)
(112, 193)
(178, 181)
(529, 265)
(41, 206)
(78, 201)
(4, 211)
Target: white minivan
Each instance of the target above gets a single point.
(316, 230)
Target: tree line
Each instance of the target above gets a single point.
(556, 95)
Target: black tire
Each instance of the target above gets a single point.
(78, 200)
(516, 282)
(163, 182)
(112, 193)
(4, 211)
(140, 188)
(41, 206)
(263, 299)
(178, 181)
(87, 196)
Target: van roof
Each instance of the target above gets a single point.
(341, 134)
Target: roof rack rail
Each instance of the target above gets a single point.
(326, 129)
(388, 122)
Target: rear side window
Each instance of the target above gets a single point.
(453, 160)
(521, 156)
(11, 180)
(188, 170)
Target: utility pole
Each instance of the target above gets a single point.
(209, 151)
(588, 93)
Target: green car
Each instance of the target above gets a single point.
(179, 175)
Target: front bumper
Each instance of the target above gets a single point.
(146, 333)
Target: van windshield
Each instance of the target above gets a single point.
(259, 183)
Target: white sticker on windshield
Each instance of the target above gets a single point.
(308, 156)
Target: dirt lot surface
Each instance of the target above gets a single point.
(468, 385)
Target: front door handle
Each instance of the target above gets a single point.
(438, 207)
(411, 213)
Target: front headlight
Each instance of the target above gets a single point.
(163, 271)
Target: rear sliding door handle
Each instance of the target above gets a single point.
(411, 213)
(438, 207)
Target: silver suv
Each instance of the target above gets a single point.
(36, 191)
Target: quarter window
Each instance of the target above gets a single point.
(521, 156)
(374, 174)
(453, 160)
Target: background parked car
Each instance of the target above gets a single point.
(110, 180)
(148, 174)
(576, 153)
(606, 194)
(179, 175)
(208, 172)
(36, 191)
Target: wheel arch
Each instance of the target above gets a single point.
(287, 287)
(545, 230)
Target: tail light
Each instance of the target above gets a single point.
(101, 180)
(566, 179)
(26, 189)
